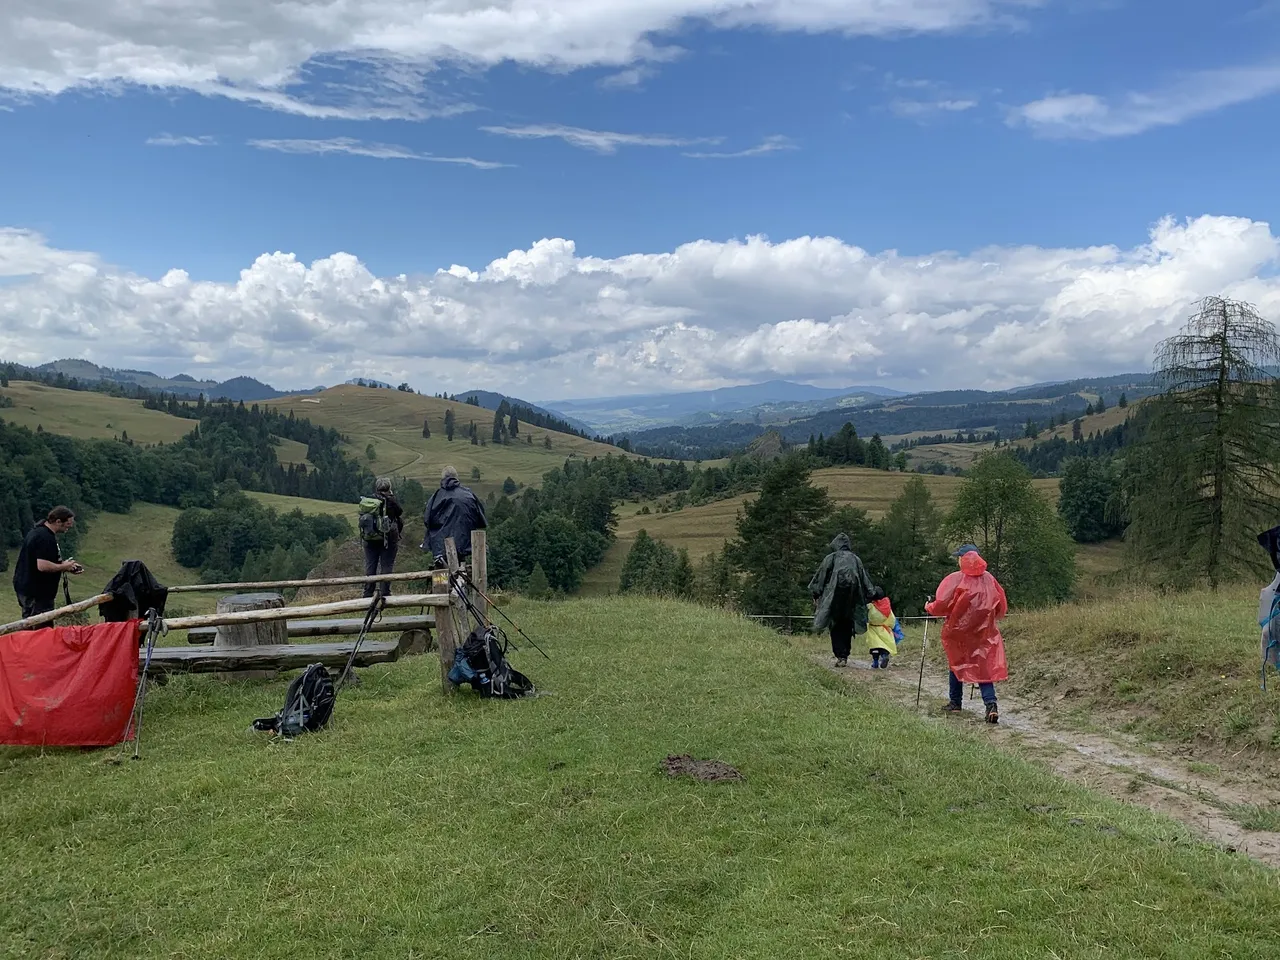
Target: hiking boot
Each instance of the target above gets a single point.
(951, 707)
(884, 661)
(842, 661)
(993, 713)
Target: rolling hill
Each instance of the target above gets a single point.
(703, 529)
(390, 421)
(88, 415)
(237, 388)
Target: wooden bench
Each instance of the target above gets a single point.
(292, 656)
(333, 628)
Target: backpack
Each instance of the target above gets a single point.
(308, 704)
(373, 522)
(482, 663)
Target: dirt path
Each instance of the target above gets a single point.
(1117, 765)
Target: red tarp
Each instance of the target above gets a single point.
(68, 686)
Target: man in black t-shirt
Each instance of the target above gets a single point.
(40, 565)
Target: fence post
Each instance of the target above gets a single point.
(480, 569)
(447, 622)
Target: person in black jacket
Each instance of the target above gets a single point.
(40, 565)
(453, 511)
(380, 555)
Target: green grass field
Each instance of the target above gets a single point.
(88, 415)
(391, 421)
(418, 826)
(705, 528)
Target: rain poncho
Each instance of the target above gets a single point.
(1269, 604)
(880, 624)
(972, 601)
(841, 587)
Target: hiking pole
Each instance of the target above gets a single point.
(494, 606)
(924, 645)
(374, 609)
(155, 626)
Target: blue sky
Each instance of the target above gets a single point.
(148, 144)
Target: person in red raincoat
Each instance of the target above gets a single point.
(972, 601)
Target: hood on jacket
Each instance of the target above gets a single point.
(883, 606)
(972, 564)
(841, 542)
(450, 483)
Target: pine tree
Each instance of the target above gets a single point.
(538, 588)
(426, 430)
(1076, 431)
(513, 425)
(778, 544)
(546, 441)
(1203, 480)
(1100, 406)
(499, 427)
(448, 425)
(1123, 402)
(910, 556)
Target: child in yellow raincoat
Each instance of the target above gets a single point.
(880, 633)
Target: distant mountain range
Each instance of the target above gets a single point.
(237, 388)
(609, 415)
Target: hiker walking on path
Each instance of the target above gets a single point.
(972, 601)
(453, 511)
(841, 590)
(40, 565)
(882, 639)
(380, 528)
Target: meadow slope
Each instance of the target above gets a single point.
(420, 826)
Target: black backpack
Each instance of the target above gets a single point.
(482, 663)
(308, 704)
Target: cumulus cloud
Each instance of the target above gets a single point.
(1088, 116)
(257, 51)
(550, 321)
(771, 144)
(172, 140)
(376, 151)
(601, 141)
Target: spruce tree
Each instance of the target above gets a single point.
(1203, 481)
(426, 430)
(448, 425)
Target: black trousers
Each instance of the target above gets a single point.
(31, 607)
(841, 638)
(379, 557)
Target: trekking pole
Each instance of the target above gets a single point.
(155, 627)
(494, 606)
(374, 609)
(924, 645)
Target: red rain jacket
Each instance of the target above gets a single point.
(68, 686)
(972, 601)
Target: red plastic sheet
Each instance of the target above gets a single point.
(973, 602)
(68, 686)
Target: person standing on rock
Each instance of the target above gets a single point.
(972, 602)
(841, 590)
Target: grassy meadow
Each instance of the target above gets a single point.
(89, 416)
(420, 826)
(704, 529)
(391, 421)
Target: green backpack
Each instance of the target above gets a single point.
(374, 523)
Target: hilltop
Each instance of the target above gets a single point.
(391, 421)
(184, 385)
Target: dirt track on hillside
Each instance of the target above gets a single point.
(1117, 765)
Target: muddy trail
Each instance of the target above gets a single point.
(1120, 766)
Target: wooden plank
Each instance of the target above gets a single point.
(316, 610)
(447, 643)
(333, 628)
(321, 582)
(40, 619)
(480, 570)
(294, 656)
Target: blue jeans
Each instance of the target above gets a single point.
(988, 691)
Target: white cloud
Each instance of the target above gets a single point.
(172, 140)
(257, 50)
(1088, 116)
(772, 144)
(548, 321)
(920, 109)
(601, 141)
(359, 148)
(632, 78)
